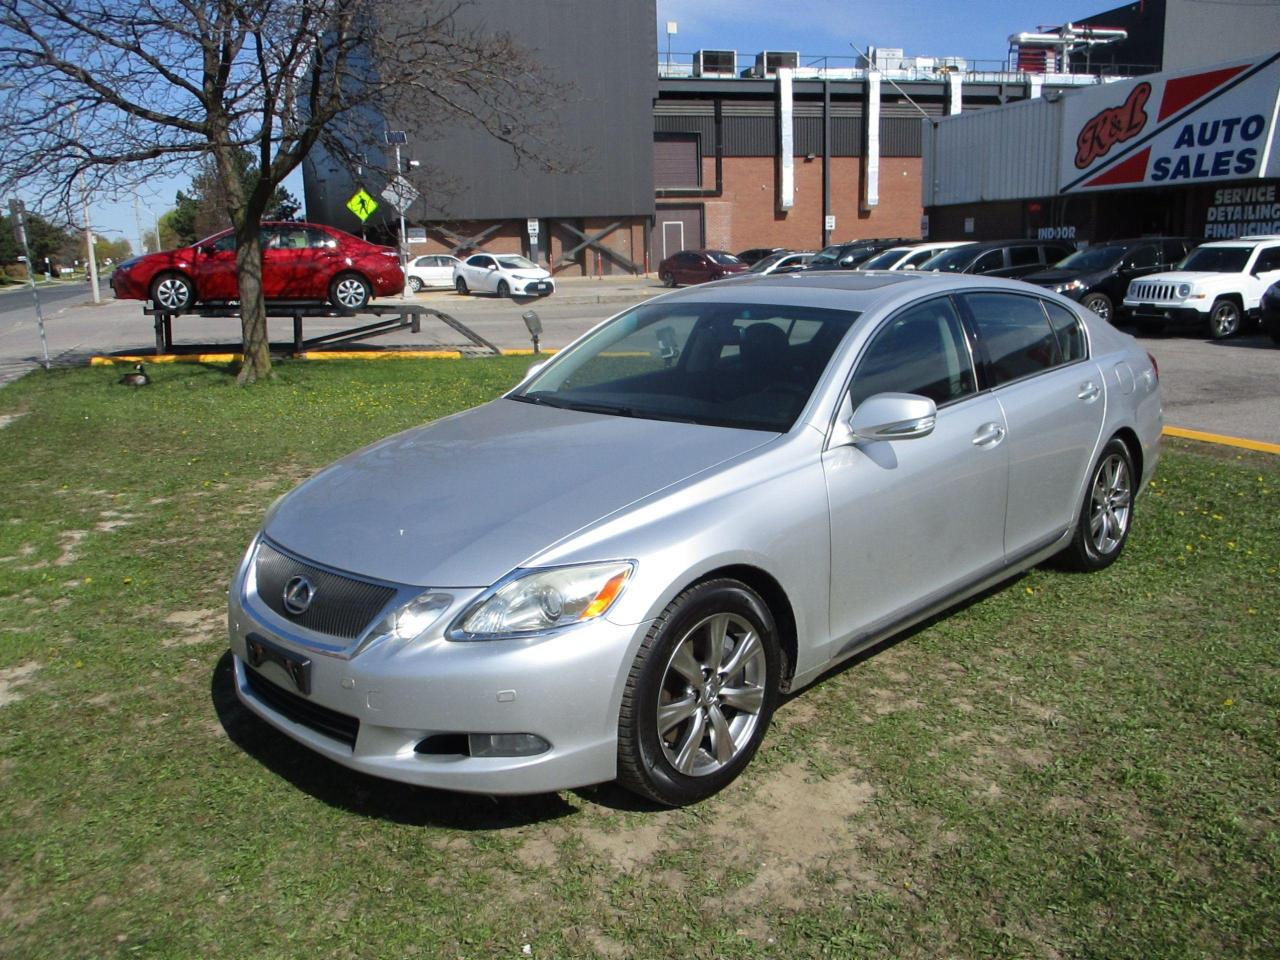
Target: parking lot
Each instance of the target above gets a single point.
(1227, 387)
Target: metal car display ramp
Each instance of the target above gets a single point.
(391, 317)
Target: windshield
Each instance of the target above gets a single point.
(761, 266)
(886, 260)
(1094, 258)
(1217, 259)
(949, 261)
(517, 263)
(743, 365)
(719, 256)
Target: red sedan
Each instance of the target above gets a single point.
(698, 266)
(300, 261)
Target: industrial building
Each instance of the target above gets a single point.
(735, 149)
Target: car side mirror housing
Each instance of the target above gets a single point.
(893, 416)
(907, 266)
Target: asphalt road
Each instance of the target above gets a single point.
(1230, 387)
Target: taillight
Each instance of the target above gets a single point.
(1154, 366)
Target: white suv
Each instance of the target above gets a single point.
(1218, 285)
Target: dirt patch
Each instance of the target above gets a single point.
(12, 678)
(8, 418)
(194, 626)
(795, 825)
(68, 544)
(628, 848)
(113, 520)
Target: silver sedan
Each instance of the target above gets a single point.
(616, 569)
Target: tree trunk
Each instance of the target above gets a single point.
(253, 308)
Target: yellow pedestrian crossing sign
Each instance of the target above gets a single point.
(362, 205)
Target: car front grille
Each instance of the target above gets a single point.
(330, 723)
(1153, 291)
(340, 606)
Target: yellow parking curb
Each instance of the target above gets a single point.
(1258, 445)
(100, 361)
(105, 361)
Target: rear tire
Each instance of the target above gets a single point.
(415, 284)
(172, 291)
(700, 694)
(1224, 319)
(1106, 516)
(350, 291)
(1100, 304)
(668, 279)
(461, 286)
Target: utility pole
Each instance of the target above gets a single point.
(92, 269)
(137, 219)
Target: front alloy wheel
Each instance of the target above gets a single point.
(172, 291)
(1224, 319)
(700, 694)
(1100, 304)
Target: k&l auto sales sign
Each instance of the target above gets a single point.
(1173, 129)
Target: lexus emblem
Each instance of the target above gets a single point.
(298, 594)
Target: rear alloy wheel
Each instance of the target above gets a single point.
(461, 286)
(415, 284)
(504, 289)
(172, 291)
(1107, 512)
(1224, 319)
(700, 694)
(350, 291)
(1100, 304)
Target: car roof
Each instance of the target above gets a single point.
(859, 290)
(1244, 241)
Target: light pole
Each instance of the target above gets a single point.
(399, 138)
(672, 29)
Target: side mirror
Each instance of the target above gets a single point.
(893, 416)
(846, 261)
(907, 266)
(533, 369)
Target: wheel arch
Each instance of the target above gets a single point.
(1129, 438)
(174, 271)
(774, 597)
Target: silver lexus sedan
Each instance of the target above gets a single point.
(616, 569)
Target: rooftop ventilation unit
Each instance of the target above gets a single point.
(768, 62)
(715, 63)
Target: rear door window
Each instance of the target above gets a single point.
(1141, 257)
(1015, 335)
(1023, 256)
(1069, 330)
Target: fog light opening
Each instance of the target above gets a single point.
(506, 744)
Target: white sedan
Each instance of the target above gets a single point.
(907, 257)
(435, 270)
(506, 274)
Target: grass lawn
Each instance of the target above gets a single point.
(1071, 766)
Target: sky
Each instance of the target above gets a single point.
(973, 29)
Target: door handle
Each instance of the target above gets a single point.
(988, 435)
(1088, 391)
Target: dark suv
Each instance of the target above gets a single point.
(1000, 258)
(1098, 276)
(847, 256)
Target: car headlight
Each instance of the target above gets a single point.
(1069, 286)
(414, 618)
(535, 601)
(1184, 291)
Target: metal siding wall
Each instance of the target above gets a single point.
(704, 127)
(900, 136)
(750, 136)
(1004, 153)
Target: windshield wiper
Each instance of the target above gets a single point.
(554, 401)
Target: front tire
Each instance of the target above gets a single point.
(350, 291)
(668, 279)
(461, 286)
(1107, 513)
(504, 289)
(700, 694)
(1100, 304)
(172, 291)
(1224, 319)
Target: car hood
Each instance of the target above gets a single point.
(462, 501)
(1047, 278)
(1185, 276)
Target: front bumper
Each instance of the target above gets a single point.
(1139, 310)
(533, 288)
(564, 688)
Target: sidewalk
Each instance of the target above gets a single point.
(569, 290)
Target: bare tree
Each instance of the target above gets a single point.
(121, 92)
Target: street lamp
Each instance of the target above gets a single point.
(534, 325)
(672, 29)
